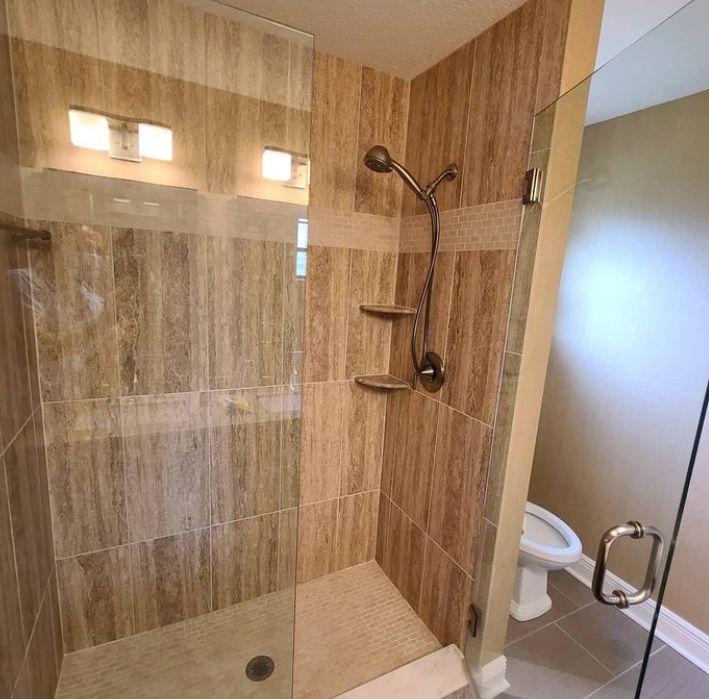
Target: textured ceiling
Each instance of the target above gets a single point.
(401, 37)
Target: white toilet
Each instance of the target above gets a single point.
(547, 543)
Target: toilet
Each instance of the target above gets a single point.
(547, 543)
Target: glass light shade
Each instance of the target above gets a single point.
(276, 165)
(88, 130)
(155, 142)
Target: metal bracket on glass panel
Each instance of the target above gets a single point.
(620, 598)
(533, 187)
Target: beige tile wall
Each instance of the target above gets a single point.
(354, 235)
(171, 64)
(30, 630)
(476, 108)
(168, 314)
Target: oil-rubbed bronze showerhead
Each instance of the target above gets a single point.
(378, 159)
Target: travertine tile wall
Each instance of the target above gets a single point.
(168, 313)
(30, 632)
(476, 108)
(354, 232)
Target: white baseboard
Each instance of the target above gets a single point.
(676, 632)
(491, 679)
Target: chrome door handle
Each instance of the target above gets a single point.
(619, 598)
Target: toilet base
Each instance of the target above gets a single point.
(529, 597)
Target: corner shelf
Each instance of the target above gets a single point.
(386, 309)
(382, 382)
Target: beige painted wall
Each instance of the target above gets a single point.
(629, 363)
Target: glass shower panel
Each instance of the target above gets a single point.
(168, 315)
(627, 373)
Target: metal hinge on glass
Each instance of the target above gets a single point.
(474, 620)
(534, 180)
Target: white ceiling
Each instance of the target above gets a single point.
(401, 37)
(670, 62)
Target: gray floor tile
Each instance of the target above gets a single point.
(616, 641)
(669, 676)
(549, 665)
(560, 606)
(576, 591)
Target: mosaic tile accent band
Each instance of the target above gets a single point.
(492, 226)
(348, 229)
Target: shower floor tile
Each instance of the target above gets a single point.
(352, 626)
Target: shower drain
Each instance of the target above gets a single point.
(259, 668)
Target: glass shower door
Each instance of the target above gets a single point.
(163, 147)
(624, 399)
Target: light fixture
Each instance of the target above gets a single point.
(276, 164)
(155, 141)
(124, 139)
(88, 130)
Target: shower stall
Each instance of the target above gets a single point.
(260, 390)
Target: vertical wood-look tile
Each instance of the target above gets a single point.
(300, 77)
(363, 422)
(372, 279)
(159, 36)
(382, 120)
(233, 55)
(502, 102)
(501, 437)
(382, 528)
(238, 129)
(170, 579)
(462, 457)
(551, 61)
(321, 440)
(72, 288)
(53, 594)
(409, 448)
(245, 292)
(445, 596)
(86, 476)
(23, 687)
(244, 559)
(41, 659)
(326, 306)
(69, 25)
(11, 635)
(437, 127)
(15, 398)
(31, 534)
(404, 555)
(357, 519)
(524, 269)
(160, 281)
(476, 330)
(287, 547)
(166, 461)
(245, 452)
(336, 100)
(290, 447)
(96, 596)
(48, 81)
(317, 527)
(293, 319)
(410, 277)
